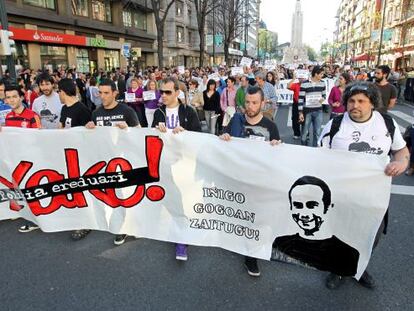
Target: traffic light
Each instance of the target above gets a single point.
(7, 44)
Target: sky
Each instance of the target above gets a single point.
(318, 19)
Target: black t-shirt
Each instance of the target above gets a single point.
(388, 92)
(264, 130)
(75, 115)
(110, 117)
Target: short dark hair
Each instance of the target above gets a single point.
(108, 82)
(172, 80)
(251, 90)
(232, 79)
(44, 77)
(68, 86)
(11, 88)
(367, 88)
(316, 70)
(194, 81)
(385, 69)
(315, 181)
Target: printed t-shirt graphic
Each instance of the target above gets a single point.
(111, 117)
(75, 115)
(49, 109)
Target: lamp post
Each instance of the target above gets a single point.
(347, 40)
(382, 32)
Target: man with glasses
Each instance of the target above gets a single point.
(175, 117)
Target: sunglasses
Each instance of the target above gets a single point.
(167, 92)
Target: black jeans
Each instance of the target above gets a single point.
(295, 119)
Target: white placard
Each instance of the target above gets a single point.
(302, 74)
(214, 76)
(245, 61)
(313, 99)
(236, 71)
(181, 70)
(284, 96)
(130, 97)
(149, 95)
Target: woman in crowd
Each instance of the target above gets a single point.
(136, 102)
(211, 99)
(270, 77)
(195, 98)
(335, 97)
(152, 104)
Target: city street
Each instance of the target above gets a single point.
(42, 271)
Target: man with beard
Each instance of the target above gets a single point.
(253, 125)
(362, 128)
(47, 106)
(387, 90)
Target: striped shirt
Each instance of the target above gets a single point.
(310, 95)
(26, 119)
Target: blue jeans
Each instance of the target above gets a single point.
(313, 118)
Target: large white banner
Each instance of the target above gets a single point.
(243, 195)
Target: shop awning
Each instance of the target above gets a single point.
(363, 57)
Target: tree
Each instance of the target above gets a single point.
(203, 8)
(312, 55)
(160, 15)
(231, 19)
(268, 42)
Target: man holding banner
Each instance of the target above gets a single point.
(363, 129)
(253, 125)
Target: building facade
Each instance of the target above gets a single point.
(359, 27)
(86, 34)
(245, 43)
(181, 37)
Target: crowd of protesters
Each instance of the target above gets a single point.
(170, 100)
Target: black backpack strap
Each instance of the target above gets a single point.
(389, 123)
(335, 125)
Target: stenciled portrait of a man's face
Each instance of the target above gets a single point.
(309, 199)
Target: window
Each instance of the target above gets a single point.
(80, 7)
(190, 37)
(111, 59)
(409, 35)
(189, 13)
(47, 4)
(127, 18)
(180, 34)
(179, 8)
(82, 60)
(140, 20)
(101, 10)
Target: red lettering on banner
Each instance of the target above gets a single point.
(108, 196)
(17, 176)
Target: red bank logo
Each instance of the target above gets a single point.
(100, 180)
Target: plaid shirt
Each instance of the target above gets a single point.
(269, 92)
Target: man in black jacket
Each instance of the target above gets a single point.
(175, 117)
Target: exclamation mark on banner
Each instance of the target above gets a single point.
(153, 148)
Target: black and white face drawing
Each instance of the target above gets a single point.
(356, 135)
(310, 198)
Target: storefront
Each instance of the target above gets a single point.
(52, 50)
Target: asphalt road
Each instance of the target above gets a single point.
(42, 271)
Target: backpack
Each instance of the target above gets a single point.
(389, 124)
(336, 124)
